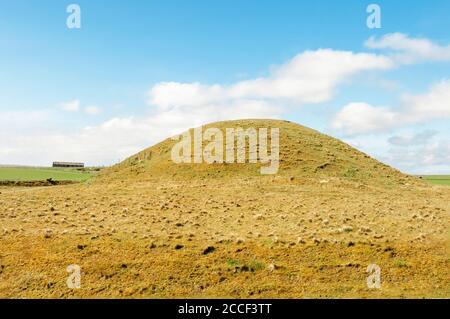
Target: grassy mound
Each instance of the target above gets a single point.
(304, 153)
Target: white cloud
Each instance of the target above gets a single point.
(92, 110)
(116, 138)
(420, 138)
(431, 105)
(420, 153)
(362, 118)
(429, 158)
(410, 50)
(165, 95)
(75, 106)
(70, 106)
(437, 153)
(359, 117)
(310, 77)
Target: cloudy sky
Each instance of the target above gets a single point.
(137, 72)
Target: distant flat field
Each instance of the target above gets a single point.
(438, 179)
(38, 174)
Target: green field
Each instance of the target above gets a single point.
(39, 174)
(437, 179)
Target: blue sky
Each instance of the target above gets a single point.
(104, 83)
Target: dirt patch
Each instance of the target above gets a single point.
(48, 182)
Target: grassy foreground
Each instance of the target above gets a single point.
(151, 228)
(37, 174)
(175, 240)
(122, 267)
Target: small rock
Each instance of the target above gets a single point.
(245, 268)
(364, 229)
(208, 250)
(271, 267)
(347, 229)
(48, 233)
(258, 216)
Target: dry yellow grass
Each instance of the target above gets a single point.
(309, 231)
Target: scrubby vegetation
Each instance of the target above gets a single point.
(151, 228)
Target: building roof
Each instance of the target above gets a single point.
(68, 163)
